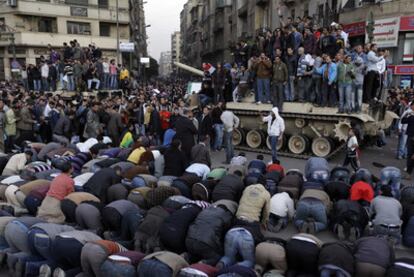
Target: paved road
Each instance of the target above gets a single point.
(385, 156)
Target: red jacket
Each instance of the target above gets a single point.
(276, 167)
(362, 191)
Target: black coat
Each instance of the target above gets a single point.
(175, 162)
(374, 250)
(185, 131)
(409, 120)
(230, 187)
(350, 211)
(337, 254)
(209, 227)
(99, 183)
(173, 230)
(206, 126)
(155, 123)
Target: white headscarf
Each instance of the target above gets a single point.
(275, 110)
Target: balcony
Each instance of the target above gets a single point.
(262, 2)
(43, 39)
(220, 4)
(242, 12)
(37, 8)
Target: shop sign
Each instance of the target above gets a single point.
(386, 32)
(355, 29)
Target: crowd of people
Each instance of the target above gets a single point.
(139, 208)
(123, 184)
(302, 62)
(73, 68)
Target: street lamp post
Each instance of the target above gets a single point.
(370, 27)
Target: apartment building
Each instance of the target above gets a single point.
(394, 31)
(175, 50)
(211, 28)
(36, 24)
(165, 64)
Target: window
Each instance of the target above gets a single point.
(79, 28)
(408, 48)
(77, 2)
(103, 4)
(2, 24)
(47, 25)
(104, 29)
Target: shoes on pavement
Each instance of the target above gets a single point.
(353, 234)
(59, 272)
(45, 271)
(258, 102)
(311, 228)
(341, 232)
(304, 227)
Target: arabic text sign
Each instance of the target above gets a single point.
(386, 32)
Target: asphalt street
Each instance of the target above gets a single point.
(385, 156)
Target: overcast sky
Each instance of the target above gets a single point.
(164, 18)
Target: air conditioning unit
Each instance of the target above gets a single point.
(12, 3)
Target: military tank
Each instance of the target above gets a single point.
(309, 130)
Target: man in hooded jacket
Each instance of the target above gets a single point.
(275, 129)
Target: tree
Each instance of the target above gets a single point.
(152, 71)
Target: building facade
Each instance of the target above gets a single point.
(138, 30)
(175, 50)
(165, 64)
(394, 31)
(210, 28)
(35, 24)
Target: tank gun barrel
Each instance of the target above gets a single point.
(190, 69)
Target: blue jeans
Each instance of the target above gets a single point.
(97, 82)
(229, 145)
(311, 208)
(113, 81)
(45, 84)
(105, 81)
(346, 102)
(290, 89)
(205, 100)
(138, 182)
(110, 268)
(273, 142)
(263, 89)
(395, 233)
(402, 145)
(358, 90)
(71, 83)
(41, 244)
(316, 93)
(37, 85)
(332, 271)
(277, 223)
(154, 267)
(239, 242)
(391, 176)
(218, 139)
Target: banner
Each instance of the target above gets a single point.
(407, 23)
(355, 29)
(386, 32)
(404, 69)
(127, 47)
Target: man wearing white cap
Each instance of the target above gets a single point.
(275, 129)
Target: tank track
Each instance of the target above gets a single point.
(284, 153)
